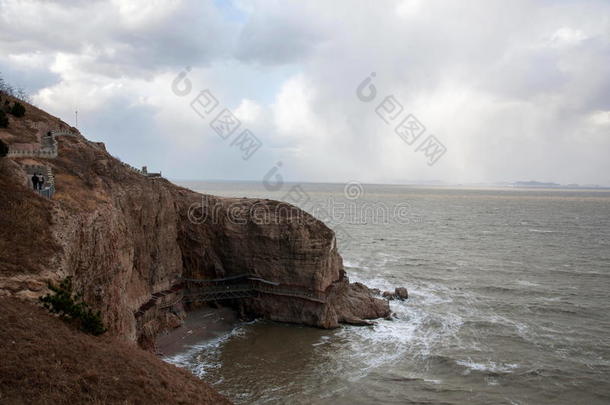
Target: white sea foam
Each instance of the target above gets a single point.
(210, 348)
(323, 340)
(415, 333)
(371, 260)
(350, 264)
(540, 230)
(527, 283)
(487, 366)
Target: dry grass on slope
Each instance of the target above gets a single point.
(45, 361)
(26, 242)
(26, 129)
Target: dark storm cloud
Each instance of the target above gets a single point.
(122, 39)
(287, 37)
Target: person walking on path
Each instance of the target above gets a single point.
(40, 181)
(35, 181)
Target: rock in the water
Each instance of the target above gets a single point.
(388, 295)
(401, 293)
(351, 301)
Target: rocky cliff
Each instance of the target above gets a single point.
(125, 237)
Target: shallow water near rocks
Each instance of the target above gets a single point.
(508, 304)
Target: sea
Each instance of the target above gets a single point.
(509, 301)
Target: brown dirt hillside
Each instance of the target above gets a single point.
(26, 243)
(45, 361)
(28, 128)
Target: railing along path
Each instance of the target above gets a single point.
(235, 287)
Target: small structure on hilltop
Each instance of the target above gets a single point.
(143, 171)
(151, 174)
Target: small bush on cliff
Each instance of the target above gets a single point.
(3, 120)
(71, 308)
(17, 92)
(18, 110)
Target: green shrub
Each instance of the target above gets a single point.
(3, 120)
(71, 308)
(3, 149)
(18, 110)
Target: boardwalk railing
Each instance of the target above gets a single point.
(157, 299)
(191, 290)
(245, 284)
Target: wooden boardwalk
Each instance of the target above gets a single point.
(189, 290)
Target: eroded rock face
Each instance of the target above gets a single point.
(124, 237)
(354, 301)
(277, 242)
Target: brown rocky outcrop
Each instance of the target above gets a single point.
(400, 293)
(124, 236)
(278, 242)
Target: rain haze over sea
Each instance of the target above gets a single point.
(508, 303)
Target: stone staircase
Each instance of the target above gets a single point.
(47, 150)
(49, 187)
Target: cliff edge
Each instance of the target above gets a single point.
(128, 240)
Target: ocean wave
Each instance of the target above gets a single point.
(349, 264)
(488, 366)
(496, 289)
(415, 333)
(527, 283)
(209, 347)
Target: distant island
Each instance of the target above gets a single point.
(502, 184)
(538, 184)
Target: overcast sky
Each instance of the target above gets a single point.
(512, 90)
